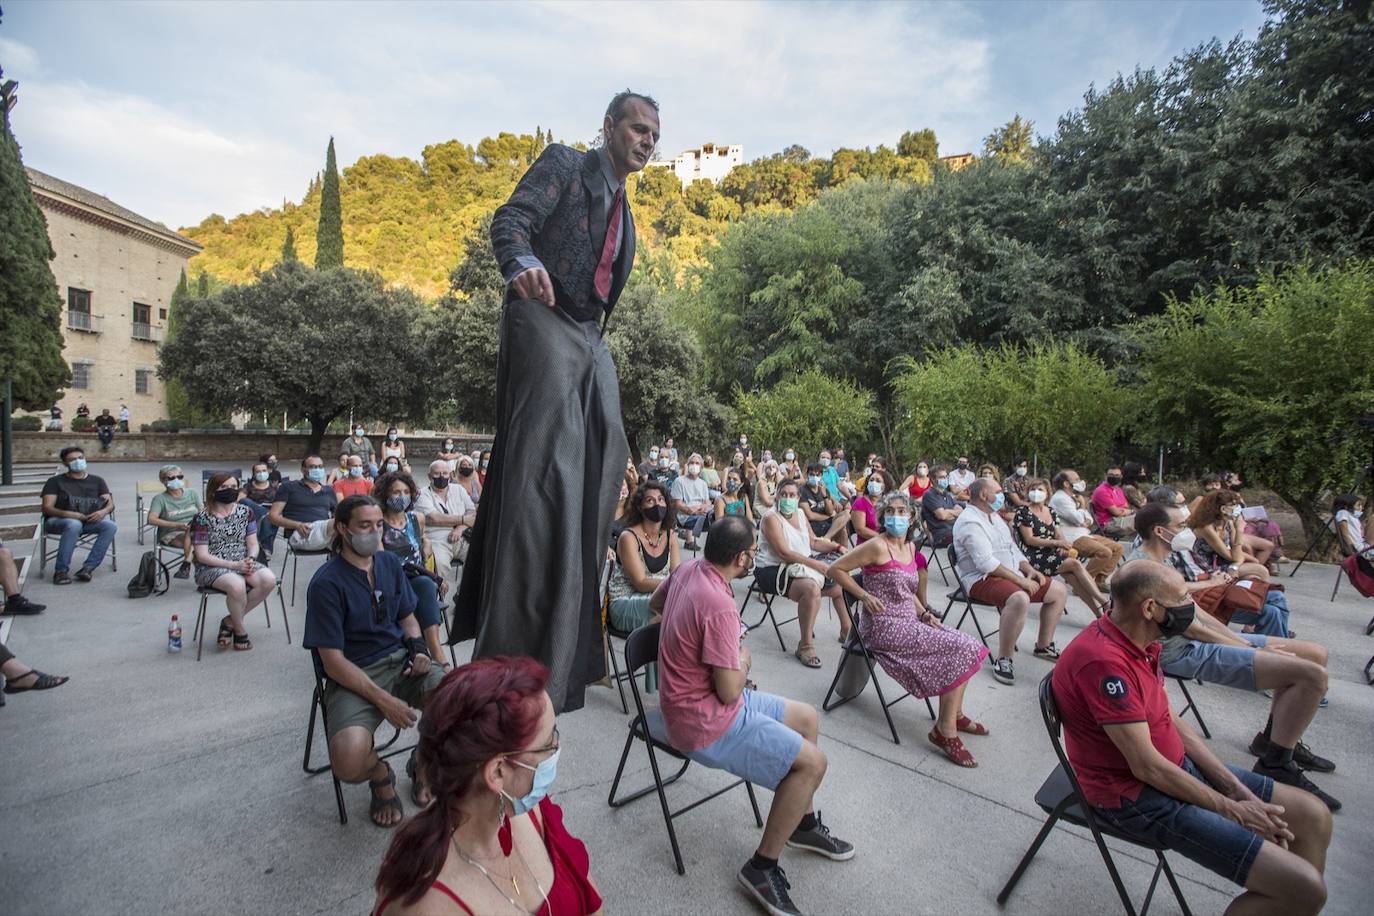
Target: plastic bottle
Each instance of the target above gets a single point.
(174, 635)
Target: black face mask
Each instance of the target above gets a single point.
(225, 497)
(963, 465)
(271, 465)
(1177, 620)
(1235, 488)
(464, 472)
(1114, 480)
(439, 483)
(656, 513)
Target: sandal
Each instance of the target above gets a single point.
(970, 727)
(954, 749)
(844, 637)
(242, 643)
(378, 804)
(225, 637)
(807, 656)
(416, 787)
(41, 681)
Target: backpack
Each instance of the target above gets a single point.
(153, 577)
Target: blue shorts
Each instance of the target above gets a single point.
(1211, 663)
(756, 746)
(1212, 840)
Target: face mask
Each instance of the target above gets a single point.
(653, 456)
(439, 483)
(392, 436)
(1177, 620)
(448, 446)
(1235, 511)
(225, 497)
(176, 483)
(262, 476)
(543, 778)
(825, 462)
(1113, 480)
(77, 464)
(963, 465)
(355, 472)
(813, 481)
(743, 441)
(271, 465)
(315, 474)
(790, 456)
(1020, 472)
(485, 462)
(464, 470)
(358, 431)
(896, 525)
(875, 488)
(1235, 487)
(663, 463)
(655, 513)
(1183, 541)
(942, 483)
(365, 545)
(787, 505)
(999, 502)
(693, 469)
(1079, 486)
(731, 486)
(923, 472)
(1036, 496)
(398, 503)
(392, 467)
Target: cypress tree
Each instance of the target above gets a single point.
(30, 306)
(178, 404)
(203, 286)
(288, 248)
(329, 251)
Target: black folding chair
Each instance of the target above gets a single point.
(1327, 529)
(959, 594)
(855, 648)
(1061, 797)
(1190, 705)
(618, 676)
(641, 649)
(934, 555)
(767, 599)
(198, 634)
(292, 558)
(317, 708)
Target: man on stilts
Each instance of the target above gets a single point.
(565, 242)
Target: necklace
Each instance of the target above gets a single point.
(511, 878)
(654, 542)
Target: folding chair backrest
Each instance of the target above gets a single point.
(150, 487)
(207, 474)
(1049, 711)
(953, 557)
(641, 647)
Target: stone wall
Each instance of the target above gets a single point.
(217, 445)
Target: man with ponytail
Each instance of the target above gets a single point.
(492, 841)
(360, 619)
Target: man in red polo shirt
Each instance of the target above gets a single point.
(1149, 775)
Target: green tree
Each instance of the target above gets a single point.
(203, 285)
(318, 369)
(1269, 380)
(478, 271)
(919, 144)
(809, 411)
(30, 307)
(288, 248)
(329, 240)
(461, 340)
(1012, 142)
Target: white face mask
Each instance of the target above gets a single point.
(1036, 496)
(1079, 486)
(790, 456)
(693, 469)
(1020, 472)
(1183, 541)
(1236, 511)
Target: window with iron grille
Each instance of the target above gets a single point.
(142, 379)
(81, 375)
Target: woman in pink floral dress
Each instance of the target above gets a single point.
(907, 639)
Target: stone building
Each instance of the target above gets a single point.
(116, 271)
(712, 161)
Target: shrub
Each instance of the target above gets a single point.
(26, 424)
(83, 424)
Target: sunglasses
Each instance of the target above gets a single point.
(378, 606)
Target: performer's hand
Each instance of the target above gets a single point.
(534, 283)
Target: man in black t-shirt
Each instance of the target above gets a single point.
(939, 509)
(826, 517)
(76, 504)
(105, 429)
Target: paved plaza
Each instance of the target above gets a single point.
(155, 784)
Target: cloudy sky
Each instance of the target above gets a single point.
(179, 110)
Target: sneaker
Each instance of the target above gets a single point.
(1051, 652)
(769, 888)
(84, 574)
(18, 604)
(61, 577)
(1001, 669)
(1302, 755)
(183, 571)
(1292, 775)
(819, 841)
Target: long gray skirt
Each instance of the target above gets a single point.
(530, 583)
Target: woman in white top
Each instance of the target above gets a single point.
(467, 478)
(766, 493)
(1101, 555)
(448, 451)
(395, 447)
(788, 542)
(1349, 509)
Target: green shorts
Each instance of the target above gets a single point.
(344, 709)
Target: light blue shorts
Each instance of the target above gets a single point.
(757, 746)
(1229, 666)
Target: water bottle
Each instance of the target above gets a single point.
(174, 635)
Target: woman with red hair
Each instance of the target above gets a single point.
(491, 841)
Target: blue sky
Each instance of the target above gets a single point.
(179, 110)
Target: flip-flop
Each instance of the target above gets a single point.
(807, 656)
(970, 727)
(42, 682)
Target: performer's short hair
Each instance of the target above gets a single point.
(616, 110)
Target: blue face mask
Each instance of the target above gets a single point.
(77, 464)
(176, 483)
(942, 483)
(896, 525)
(355, 472)
(543, 779)
(999, 502)
(315, 474)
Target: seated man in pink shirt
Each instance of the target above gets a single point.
(1114, 514)
(712, 717)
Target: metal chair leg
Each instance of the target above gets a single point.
(1026, 859)
(1191, 705)
(200, 625)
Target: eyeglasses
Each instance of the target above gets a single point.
(546, 749)
(378, 606)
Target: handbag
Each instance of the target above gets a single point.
(1225, 601)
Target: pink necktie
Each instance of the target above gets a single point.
(602, 279)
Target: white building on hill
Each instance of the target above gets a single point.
(712, 161)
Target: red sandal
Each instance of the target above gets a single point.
(970, 727)
(954, 748)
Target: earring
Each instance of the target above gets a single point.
(503, 832)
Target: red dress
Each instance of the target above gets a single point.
(572, 891)
(917, 490)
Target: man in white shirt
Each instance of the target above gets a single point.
(691, 499)
(960, 479)
(448, 512)
(993, 570)
(1099, 554)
